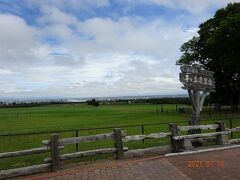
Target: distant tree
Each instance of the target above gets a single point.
(93, 102)
(217, 48)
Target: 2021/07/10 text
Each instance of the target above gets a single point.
(207, 163)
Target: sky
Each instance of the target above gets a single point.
(95, 48)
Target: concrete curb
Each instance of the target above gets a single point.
(200, 151)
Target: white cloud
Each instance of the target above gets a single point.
(124, 56)
(191, 6)
(98, 56)
(5, 72)
(131, 35)
(19, 42)
(53, 14)
(71, 4)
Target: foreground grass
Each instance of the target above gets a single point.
(71, 117)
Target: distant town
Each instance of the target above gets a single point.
(14, 102)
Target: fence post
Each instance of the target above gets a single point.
(230, 119)
(221, 139)
(174, 132)
(176, 108)
(162, 108)
(118, 143)
(143, 132)
(209, 112)
(55, 152)
(225, 113)
(76, 134)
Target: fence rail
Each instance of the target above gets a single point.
(202, 127)
(5, 174)
(143, 136)
(24, 152)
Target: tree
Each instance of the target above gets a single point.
(93, 102)
(217, 48)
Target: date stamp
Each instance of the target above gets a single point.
(205, 164)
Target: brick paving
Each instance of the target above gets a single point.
(224, 164)
(207, 165)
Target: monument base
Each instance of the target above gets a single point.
(193, 122)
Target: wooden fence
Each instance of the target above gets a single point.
(178, 143)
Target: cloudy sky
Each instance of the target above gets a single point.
(82, 48)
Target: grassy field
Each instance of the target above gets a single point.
(57, 117)
(71, 117)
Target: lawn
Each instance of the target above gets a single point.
(72, 117)
(58, 117)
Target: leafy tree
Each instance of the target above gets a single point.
(93, 102)
(217, 48)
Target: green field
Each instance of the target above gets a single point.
(78, 116)
(57, 117)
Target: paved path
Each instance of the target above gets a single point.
(224, 164)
